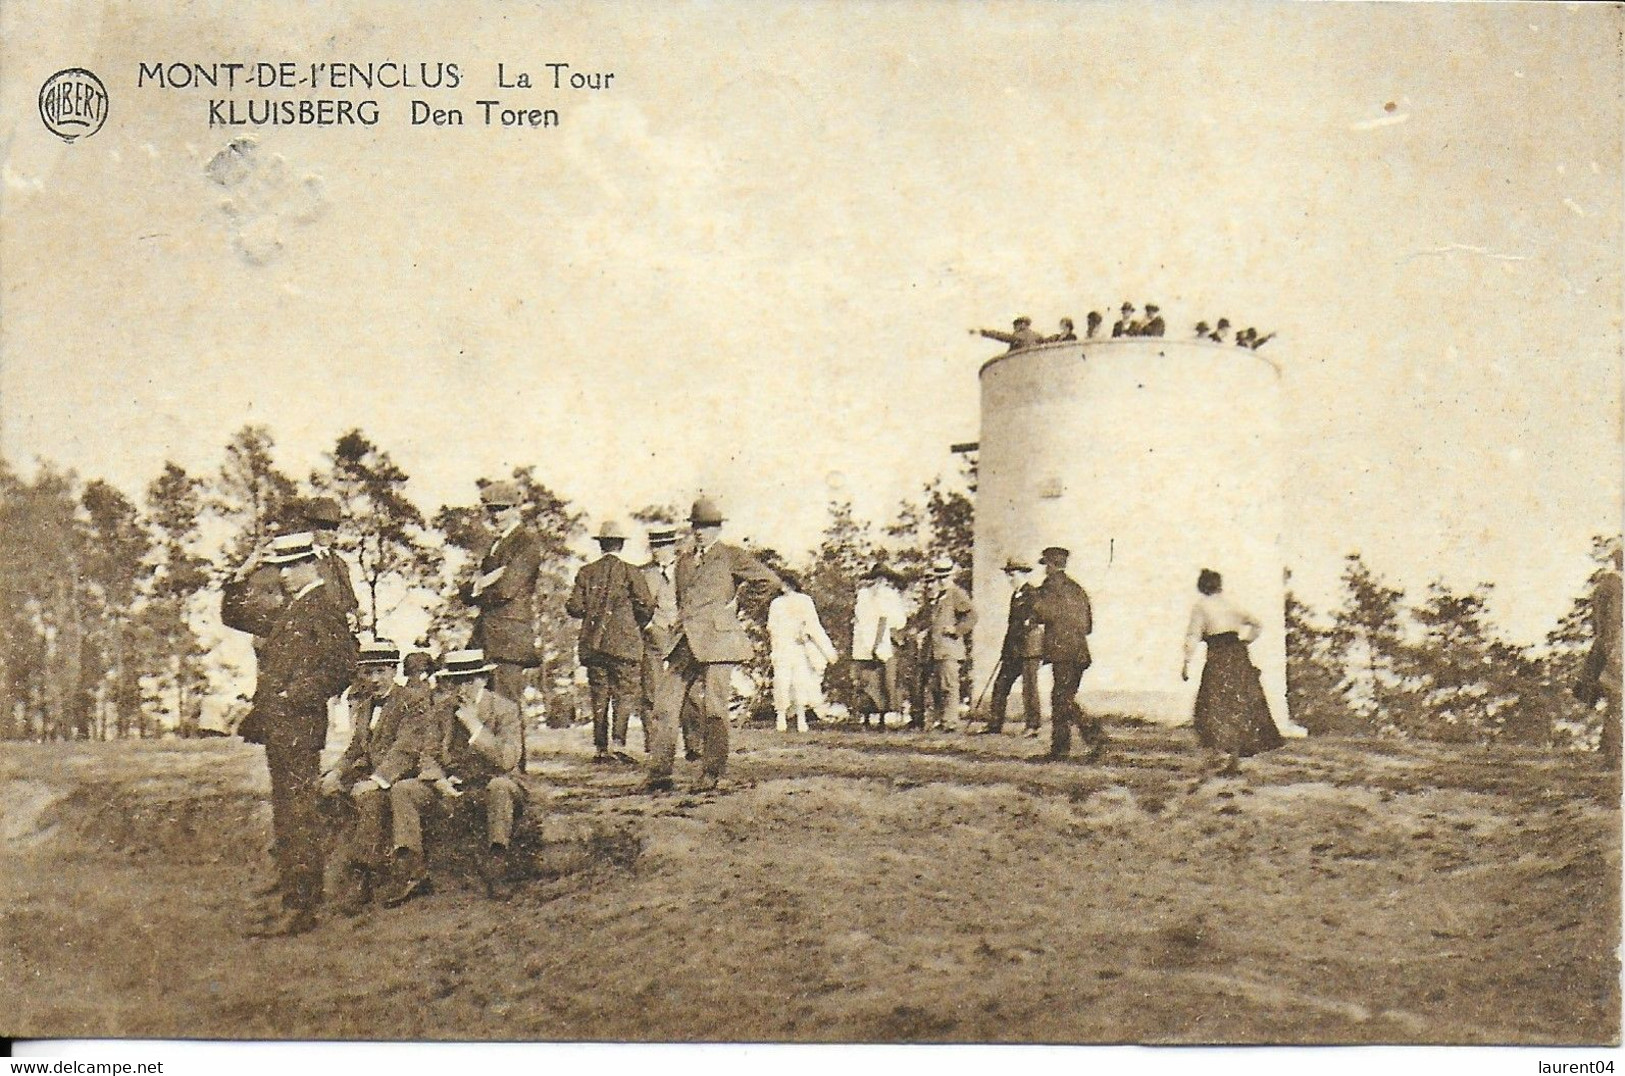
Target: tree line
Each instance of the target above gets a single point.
(103, 601)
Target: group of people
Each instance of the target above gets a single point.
(660, 642)
(413, 743)
(1247, 337)
(1022, 335)
(1050, 624)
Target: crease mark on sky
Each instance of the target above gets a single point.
(1451, 248)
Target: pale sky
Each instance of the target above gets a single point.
(749, 265)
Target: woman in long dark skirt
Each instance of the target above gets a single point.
(1232, 715)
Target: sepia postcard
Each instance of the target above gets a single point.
(1076, 523)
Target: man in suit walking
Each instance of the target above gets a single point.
(504, 592)
(612, 601)
(1020, 654)
(713, 641)
(952, 618)
(1062, 607)
(308, 657)
(396, 734)
(479, 757)
(663, 702)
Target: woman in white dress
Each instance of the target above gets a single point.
(801, 652)
(1232, 715)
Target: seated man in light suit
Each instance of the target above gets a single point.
(479, 757)
(396, 732)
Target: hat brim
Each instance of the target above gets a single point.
(279, 561)
(458, 674)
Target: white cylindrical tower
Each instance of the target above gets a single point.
(1150, 459)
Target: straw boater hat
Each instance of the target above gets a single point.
(942, 568)
(464, 663)
(662, 536)
(705, 513)
(290, 548)
(499, 495)
(610, 532)
(1015, 564)
(379, 652)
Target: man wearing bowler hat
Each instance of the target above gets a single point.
(504, 592)
(479, 757)
(308, 657)
(712, 641)
(321, 517)
(612, 601)
(1062, 607)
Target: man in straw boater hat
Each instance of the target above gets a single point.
(612, 601)
(396, 734)
(504, 593)
(308, 657)
(479, 758)
(1062, 607)
(1020, 654)
(952, 616)
(711, 641)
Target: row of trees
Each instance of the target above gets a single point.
(108, 624)
(106, 604)
(1437, 668)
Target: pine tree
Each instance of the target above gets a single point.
(178, 574)
(1313, 674)
(249, 493)
(383, 534)
(115, 565)
(1368, 631)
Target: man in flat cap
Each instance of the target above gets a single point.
(1062, 607)
(712, 641)
(480, 749)
(952, 618)
(612, 601)
(308, 657)
(1020, 654)
(1020, 336)
(504, 592)
(395, 735)
(1092, 325)
(1125, 325)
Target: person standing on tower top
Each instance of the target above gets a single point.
(1020, 337)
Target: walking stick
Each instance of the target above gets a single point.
(997, 666)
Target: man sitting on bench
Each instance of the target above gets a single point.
(479, 758)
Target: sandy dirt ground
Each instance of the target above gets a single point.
(848, 886)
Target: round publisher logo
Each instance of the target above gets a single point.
(73, 104)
